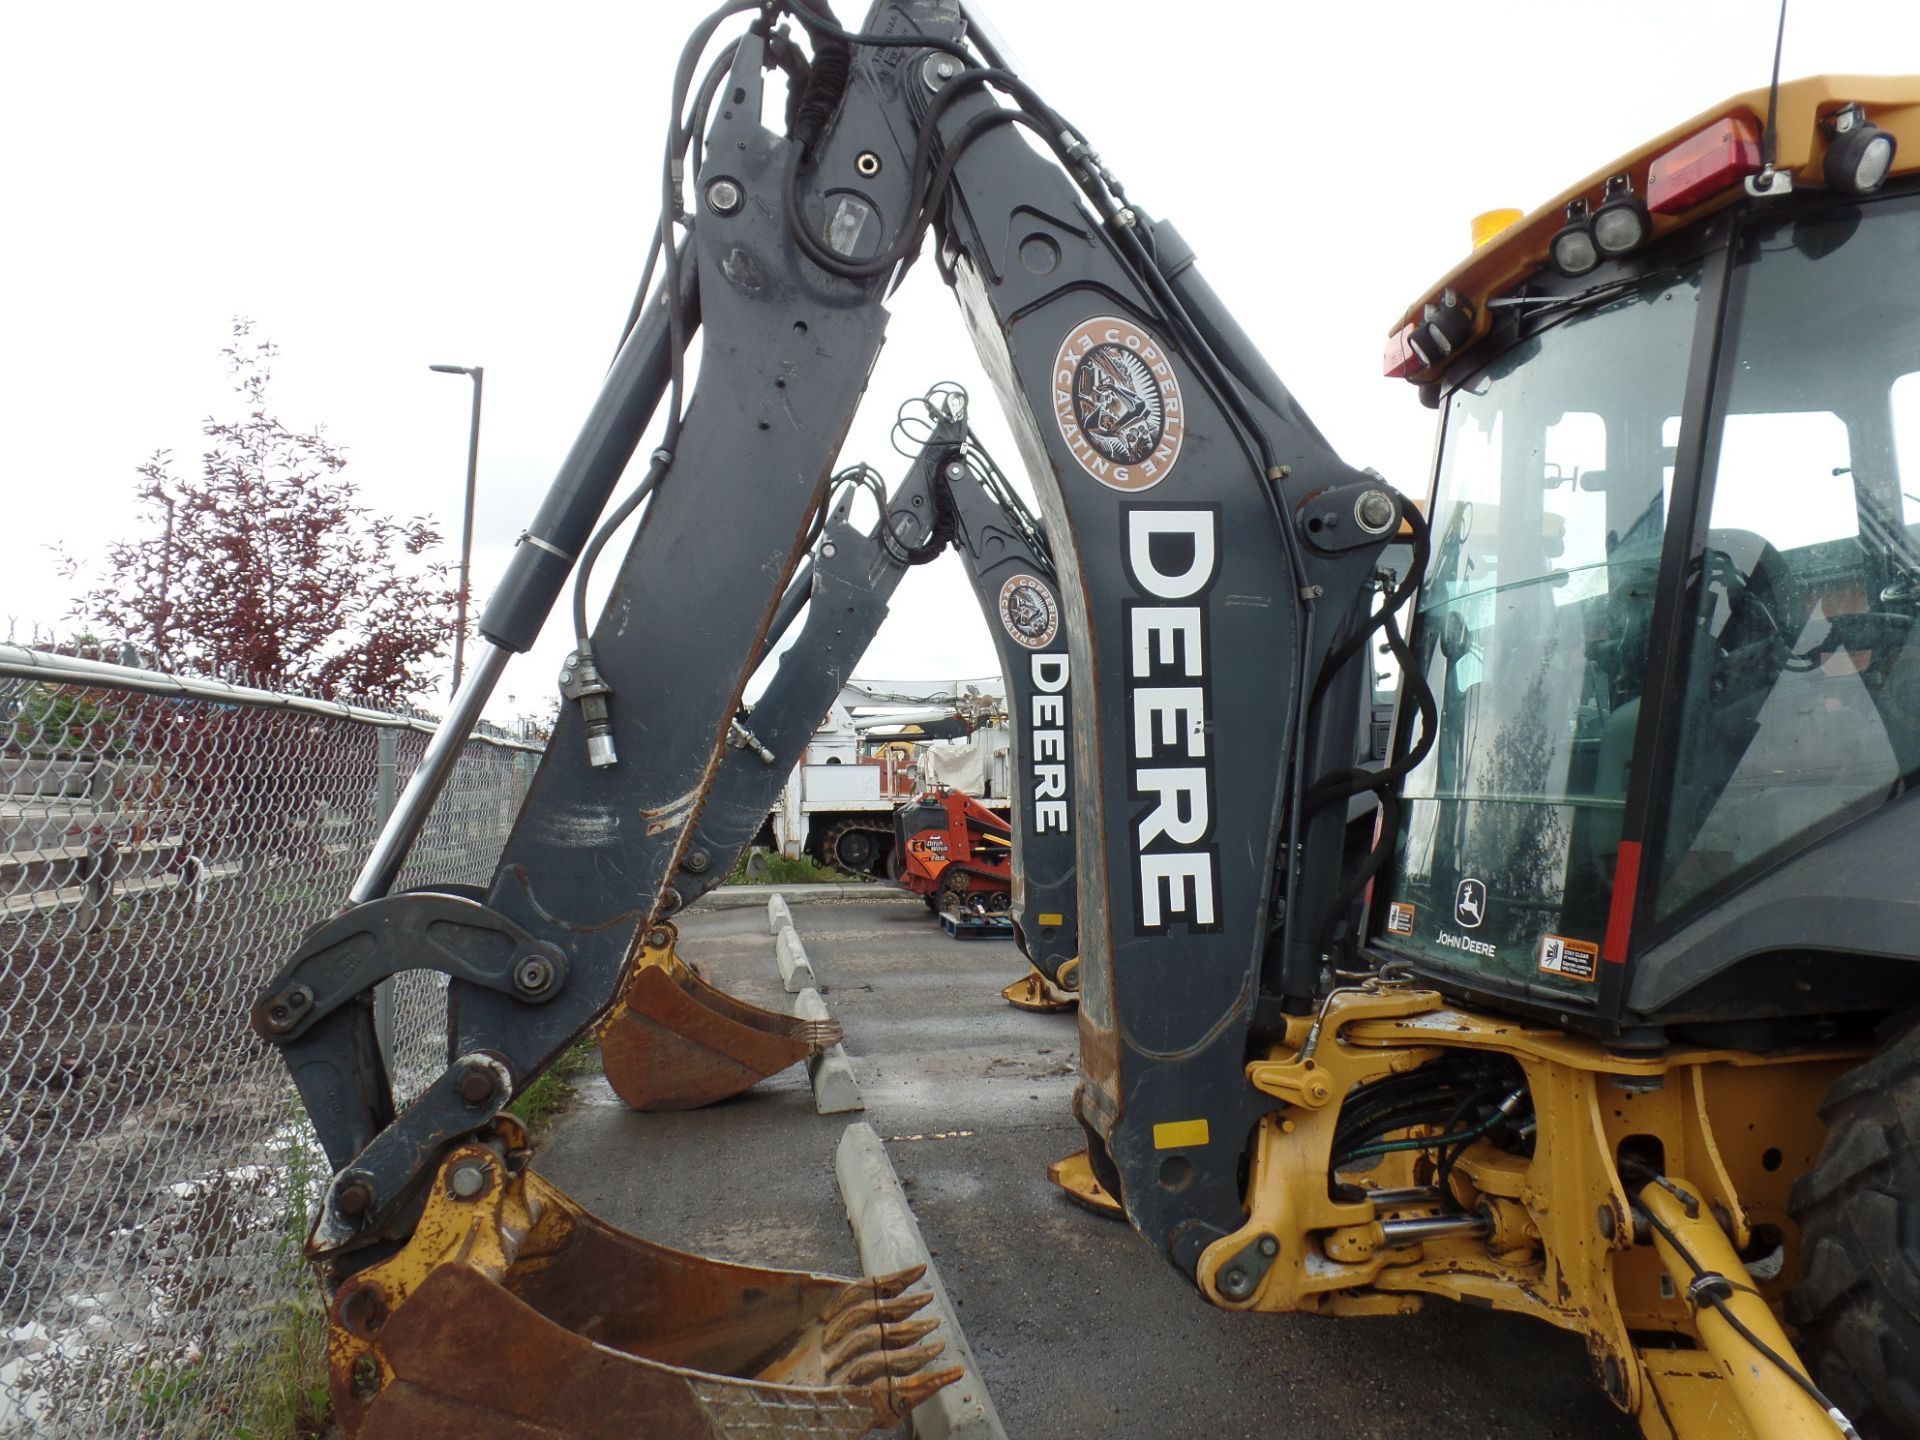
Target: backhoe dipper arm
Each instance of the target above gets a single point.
(1011, 569)
(848, 583)
(786, 350)
(1210, 550)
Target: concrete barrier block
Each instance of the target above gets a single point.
(796, 971)
(777, 913)
(835, 1090)
(889, 1239)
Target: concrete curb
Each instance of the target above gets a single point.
(741, 897)
(777, 913)
(889, 1239)
(796, 971)
(835, 1090)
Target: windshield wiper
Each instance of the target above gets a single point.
(1542, 305)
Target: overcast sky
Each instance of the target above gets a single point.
(386, 186)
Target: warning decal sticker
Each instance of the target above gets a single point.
(1399, 918)
(1569, 959)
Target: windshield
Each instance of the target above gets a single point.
(1548, 515)
(1802, 688)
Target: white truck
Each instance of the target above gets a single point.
(879, 746)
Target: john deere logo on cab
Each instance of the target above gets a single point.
(1470, 904)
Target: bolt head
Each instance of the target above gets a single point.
(353, 1199)
(1234, 1282)
(698, 862)
(1376, 512)
(724, 197)
(477, 1085)
(1269, 1246)
(944, 69)
(532, 975)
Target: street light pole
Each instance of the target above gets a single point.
(478, 374)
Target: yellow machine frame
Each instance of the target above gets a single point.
(1562, 1235)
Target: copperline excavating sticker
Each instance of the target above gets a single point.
(1028, 612)
(1569, 959)
(1117, 401)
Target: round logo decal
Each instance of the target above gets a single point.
(1117, 402)
(1028, 612)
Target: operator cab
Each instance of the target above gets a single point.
(1668, 616)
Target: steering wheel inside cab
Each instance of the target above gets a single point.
(1759, 624)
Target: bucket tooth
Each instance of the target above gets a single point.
(517, 1314)
(675, 1042)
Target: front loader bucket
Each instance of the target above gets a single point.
(674, 1042)
(512, 1314)
(1035, 992)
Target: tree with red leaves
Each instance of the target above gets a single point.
(266, 563)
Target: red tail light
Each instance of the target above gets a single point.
(1723, 154)
(1400, 361)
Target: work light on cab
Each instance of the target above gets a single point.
(1859, 154)
(1621, 223)
(1573, 250)
(1445, 325)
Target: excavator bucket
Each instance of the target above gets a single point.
(1035, 992)
(675, 1042)
(1074, 1175)
(513, 1314)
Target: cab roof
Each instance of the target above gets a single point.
(1891, 102)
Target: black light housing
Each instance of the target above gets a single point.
(1859, 153)
(1573, 251)
(1445, 325)
(1622, 222)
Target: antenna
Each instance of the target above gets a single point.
(1762, 183)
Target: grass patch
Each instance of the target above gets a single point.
(781, 871)
(537, 1104)
(287, 1399)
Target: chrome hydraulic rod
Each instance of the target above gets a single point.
(1400, 1234)
(423, 788)
(540, 565)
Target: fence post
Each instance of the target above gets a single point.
(96, 877)
(386, 790)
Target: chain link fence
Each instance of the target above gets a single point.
(163, 843)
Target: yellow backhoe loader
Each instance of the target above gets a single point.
(1612, 1023)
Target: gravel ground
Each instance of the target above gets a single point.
(1079, 1330)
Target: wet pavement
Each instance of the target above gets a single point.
(1079, 1329)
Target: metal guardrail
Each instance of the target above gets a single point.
(164, 841)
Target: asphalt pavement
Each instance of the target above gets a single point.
(1080, 1330)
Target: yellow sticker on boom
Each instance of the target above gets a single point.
(1177, 1134)
(1053, 919)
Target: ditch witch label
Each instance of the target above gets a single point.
(1117, 402)
(1172, 560)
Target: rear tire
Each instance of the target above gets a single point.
(1858, 1302)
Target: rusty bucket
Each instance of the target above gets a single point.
(511, 1313)
(674, 1042)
